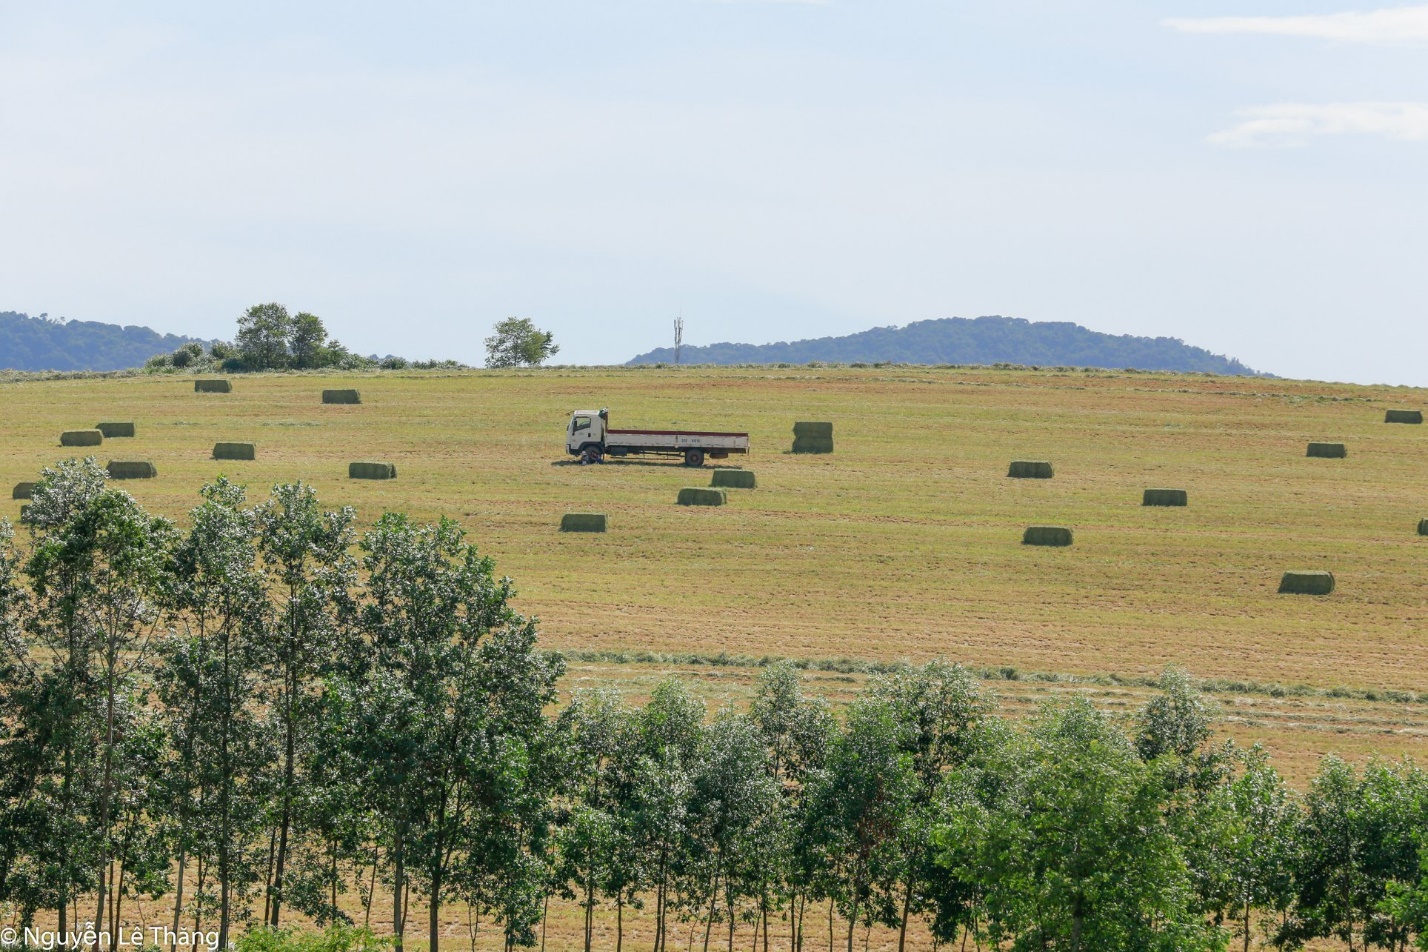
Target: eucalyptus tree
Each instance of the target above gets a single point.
(733, 810)
(668, 743)
(1065, 834)
(796, 731)
(443, 710)
(96, 569)
(1262, 841)
(24, 750)
(1361, 845)
(941, 711)
(858, 804)
(309, 574)
(219, 615)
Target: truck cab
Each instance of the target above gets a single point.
(585, 436)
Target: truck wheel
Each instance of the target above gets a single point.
(591, 455)
(693, 457)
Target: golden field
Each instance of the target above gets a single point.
(903, 544)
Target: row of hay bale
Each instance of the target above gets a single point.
(328, 396)
(715, 494)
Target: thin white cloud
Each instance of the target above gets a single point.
(1387, 26)
(1289, 125)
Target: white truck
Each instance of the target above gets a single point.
(589, 437)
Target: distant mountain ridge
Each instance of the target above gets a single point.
(982, 340)
(39, 343)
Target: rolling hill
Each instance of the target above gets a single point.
(983, 340)
(39, 343)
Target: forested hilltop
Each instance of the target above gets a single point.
(960, 340)
(42, 343)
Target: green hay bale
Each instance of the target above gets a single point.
(341, 396)
(1306, 583)
(699, 496)
(1046, 535)
(1029, 469)
(582, 522)
(1422, 523)
(812, 444)
(212, 386)
(114, 430)
(1327, 450)
(1403, 416)
(819, 431)
(24, 513)
(23, 491)
(733, 478)
(1165, 497)
(235, 451)
(81, 438)
(131, 469)
(371, 471)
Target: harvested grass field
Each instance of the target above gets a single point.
(903, 543)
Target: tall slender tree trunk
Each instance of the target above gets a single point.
(906, 905)
(713, 898)
(105, 794)
(398, 888)
(289, 772)
(178, 892)
(619, 921)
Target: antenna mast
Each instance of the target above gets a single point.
(678, 336)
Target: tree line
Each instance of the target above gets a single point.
(266, 716)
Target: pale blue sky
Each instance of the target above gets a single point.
(1248, 176)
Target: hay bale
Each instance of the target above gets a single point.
(582, 522)
(820, 431)
(131, 469)
(1165, 497)
(1306, 583)
(81, 438)
(115, 430)
(1327, 450)
(23, 491)
(341, 396)
(235, 451)
(212, 386)
(699, 496)
(24, 513)
(1029, 469)
(733, 478)
(1422, 523)
(371, 470)
(1046, 535)
(812, 437)
(812, 444)
(1403, 416)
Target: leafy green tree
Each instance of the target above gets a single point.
(264, 340)
(445, 710)
(308, 343)
(517, 342)
(1050, 829)
(941, 711)
(669, 746)
(98, 575)
(1242, 843)
(857, 808)
(309, 580)
(218, 611)
(796, 731)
